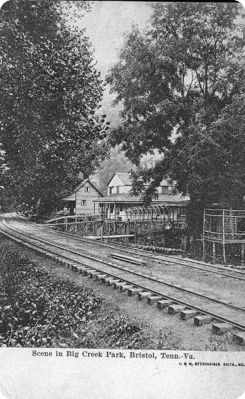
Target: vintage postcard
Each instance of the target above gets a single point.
(122, 199)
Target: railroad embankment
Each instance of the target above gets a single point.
(38, 309)
(43, 304)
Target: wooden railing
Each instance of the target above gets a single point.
(101, 228)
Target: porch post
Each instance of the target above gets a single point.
(115, 218)
(115, 214)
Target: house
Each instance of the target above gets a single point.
(119, 200)
(120, 183)
(82, 200)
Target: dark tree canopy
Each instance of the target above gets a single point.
(214, 158)
(50, 95)
(173, 81)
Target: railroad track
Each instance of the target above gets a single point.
(161, 259)
(169, 297)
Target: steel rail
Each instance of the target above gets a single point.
(168, 258)
(214, 315)
(133, 272)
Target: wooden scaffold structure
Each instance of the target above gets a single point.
(223, 227)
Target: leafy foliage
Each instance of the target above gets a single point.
(50, 94)
(211, 163)
(220, 343)
(39, 310)
(173, 82)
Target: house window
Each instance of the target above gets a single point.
(87, 189)
(164, 189)
(117, 189)
(110, 190)
(83, 202)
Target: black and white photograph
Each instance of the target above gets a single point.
(122, 185)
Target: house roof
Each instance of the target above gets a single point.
(119, 198)
(124, 177)
(177, 199)
(71, 197)
(126, 180)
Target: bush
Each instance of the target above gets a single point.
(39, 310)
(36, 309)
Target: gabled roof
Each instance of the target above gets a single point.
(91, 184)
(164, 182)
(124, 177)
(126, 180)
(72, 195)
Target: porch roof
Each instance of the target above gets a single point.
(71, 197)
(177, 200)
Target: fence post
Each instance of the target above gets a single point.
(203, 237)
(75, 223)
(214, 252)
(242, 254)
(101, 231)
(223, 237)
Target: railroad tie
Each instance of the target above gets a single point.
(125, 287)
(100, 276)
(93, 273)
(221, 328)
(134, 290)
(73, 263)
(124, 258)
(104, 279)
(154, 298)
(188, 314)
(176, 308)
(111, 281)
(239, 337)
(85, 271)
(144, 294)
(163, 303)
(81, 270)
(203, 319)
(118, 284)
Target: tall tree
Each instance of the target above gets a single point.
(50, 96)
(174, 80)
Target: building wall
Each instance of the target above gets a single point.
(164, 189)
(117, 187)
(84, 199)
(119, 190)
